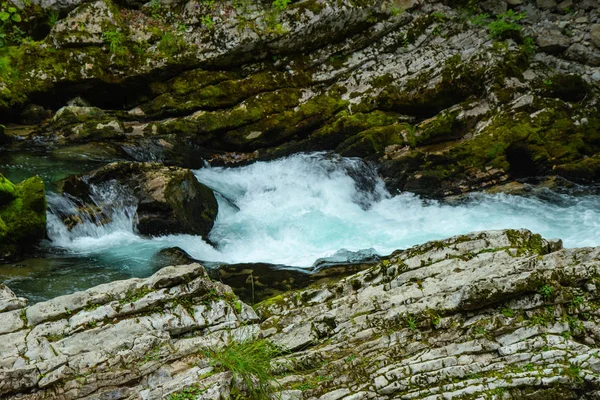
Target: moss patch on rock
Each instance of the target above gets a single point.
(22, 216)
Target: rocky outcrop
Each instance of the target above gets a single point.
(166, 199)
(22, 216)
(444, 96)
(499, 314)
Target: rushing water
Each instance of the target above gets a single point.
(296, 210)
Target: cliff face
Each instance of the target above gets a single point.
(446, 98)
(499, 314)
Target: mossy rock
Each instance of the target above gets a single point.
(169, 200)
(22, 219)
(7, 191)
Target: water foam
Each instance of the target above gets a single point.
(295, 210)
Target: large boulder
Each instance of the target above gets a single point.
(22, 216)
(168, 199)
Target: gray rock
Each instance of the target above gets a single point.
(595, 35)
(552, 42)
(546, 4)
(494, 7)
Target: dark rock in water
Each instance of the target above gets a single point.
(168, 199)
(22, 216)
(172, 256)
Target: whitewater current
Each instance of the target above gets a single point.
(295, 210)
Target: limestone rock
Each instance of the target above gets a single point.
(479, 314)
(552, 42)
(83, 26)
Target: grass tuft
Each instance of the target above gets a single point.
(250, 361)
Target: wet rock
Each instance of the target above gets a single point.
(168, 199)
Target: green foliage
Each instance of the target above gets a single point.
(171, 44)
(116, 40)
(505, 25)
(546, 291)
(395, 11)
(411, 323)
(53, 17)
(188, 393)
(207, 21)
(507, 312)
(249, 361)
(281, 4)
(10, 32)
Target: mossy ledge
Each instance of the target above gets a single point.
(436, 93)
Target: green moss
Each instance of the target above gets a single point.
(23, 219)
(7, 190)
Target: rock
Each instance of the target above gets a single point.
(581, 53)
(84, 25)
(494, 7)
(479, 314)
(595, 35)
(22, 216)
(552, 42)
(546, 4)
(33, 114)
(168, 199)
(82, 124)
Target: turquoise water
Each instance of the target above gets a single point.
(296, 210)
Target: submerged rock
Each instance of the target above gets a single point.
(22, 216)
(168, 199)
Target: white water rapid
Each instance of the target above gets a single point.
(295, 210)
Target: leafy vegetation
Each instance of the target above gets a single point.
(10, 32)
(116, 41)
(250, 361)
(505, 26)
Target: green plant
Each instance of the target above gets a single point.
(507, 312)
(411, 323)
(577, 301)
(116, 40)
(395, 11)
(207, 21)
(250, 361)
(188, 393)
(546, 291)
(506, 25)
(171, 44)
(438, 16)
(53, 17)
(281, 4)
